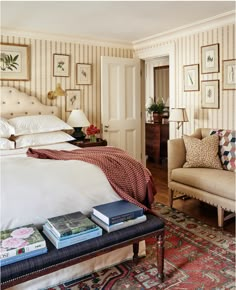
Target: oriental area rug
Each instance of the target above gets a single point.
(197, 257)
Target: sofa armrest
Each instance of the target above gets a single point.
(176, 155)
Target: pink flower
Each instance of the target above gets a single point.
(14, 243)
(22, 233)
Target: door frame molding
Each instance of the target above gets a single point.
(163, 51)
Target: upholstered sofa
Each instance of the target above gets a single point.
(213, 186)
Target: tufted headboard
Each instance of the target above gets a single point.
(15, 103)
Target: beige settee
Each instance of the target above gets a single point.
(213, 186)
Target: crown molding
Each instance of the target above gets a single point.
(203, 25)
(64, 38)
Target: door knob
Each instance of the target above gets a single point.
(106, 126)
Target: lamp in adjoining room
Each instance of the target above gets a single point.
(178, 115)
(78, 120)
(58, 92)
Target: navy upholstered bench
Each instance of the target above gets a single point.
(54, 260)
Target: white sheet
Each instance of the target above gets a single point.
(34, 189)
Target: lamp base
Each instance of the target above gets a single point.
(78, 134)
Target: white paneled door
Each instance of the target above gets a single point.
(121, 103)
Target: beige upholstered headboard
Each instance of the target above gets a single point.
(15, 103)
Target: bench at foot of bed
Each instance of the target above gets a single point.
(54, 260)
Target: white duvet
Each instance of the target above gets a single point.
(34, 189)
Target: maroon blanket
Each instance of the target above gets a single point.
(128, 177)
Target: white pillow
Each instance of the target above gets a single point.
(42, 139)
(37, 124)
(6, 144)
(6, 130)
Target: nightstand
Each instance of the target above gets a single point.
(87, 143)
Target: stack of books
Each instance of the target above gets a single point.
(117, 215)
(69, 229)
(21, 243)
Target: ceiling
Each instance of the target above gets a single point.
(122, 21)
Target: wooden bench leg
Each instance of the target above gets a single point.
(160, 256)
(135, 251)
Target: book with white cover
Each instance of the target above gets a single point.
(120, 225)
(20, 240)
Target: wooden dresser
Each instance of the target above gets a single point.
(156, 140)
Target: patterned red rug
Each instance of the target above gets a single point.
(197, 256)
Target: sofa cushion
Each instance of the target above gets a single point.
(227, 148)
(202, 152)
(218, 182)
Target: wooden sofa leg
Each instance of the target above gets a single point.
(171, 195)
(220, 212)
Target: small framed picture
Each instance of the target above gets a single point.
(73, 100)
(15, 62)
(210, 94)
(83, 74)
(61, 65)
(229, 74)
(210, 59)
(191, 77)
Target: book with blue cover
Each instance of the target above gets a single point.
(73, 240)
(23, 256)
(117, 211)
(118, 226)
(70, 224)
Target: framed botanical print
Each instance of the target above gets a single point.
(61, 65)
(229, 74)
(210, 94)
(191, 77)
(83, 74)
(15, 62)
(210, 58)
(73, 100)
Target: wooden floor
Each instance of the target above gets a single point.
(192, 207)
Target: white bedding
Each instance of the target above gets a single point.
(34, 189)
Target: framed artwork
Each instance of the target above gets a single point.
(229, 74)
(73, 100)
(191, 77)
(210, 58)
(83, 74)
(61, 65)
(15, 62)
(210, 94)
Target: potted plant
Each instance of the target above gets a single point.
(157, 109)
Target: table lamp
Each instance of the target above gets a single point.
(178, 115)
(78, 120)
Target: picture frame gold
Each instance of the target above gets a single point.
(210, 58)
(83, 74)
(73, 100)
(15, 62)
(61, 65)
(210, 94)
(191, 77)
(229, 74)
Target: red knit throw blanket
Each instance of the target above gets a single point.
(128, 177)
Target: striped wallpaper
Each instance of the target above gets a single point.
(187, 50)
(42, 80)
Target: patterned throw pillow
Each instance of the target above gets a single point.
(202, 152)
(227, 148)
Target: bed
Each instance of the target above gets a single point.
(34, 189)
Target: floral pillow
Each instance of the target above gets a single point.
(227, 148)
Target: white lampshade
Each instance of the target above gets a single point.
(178, 115)
(77, 118)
